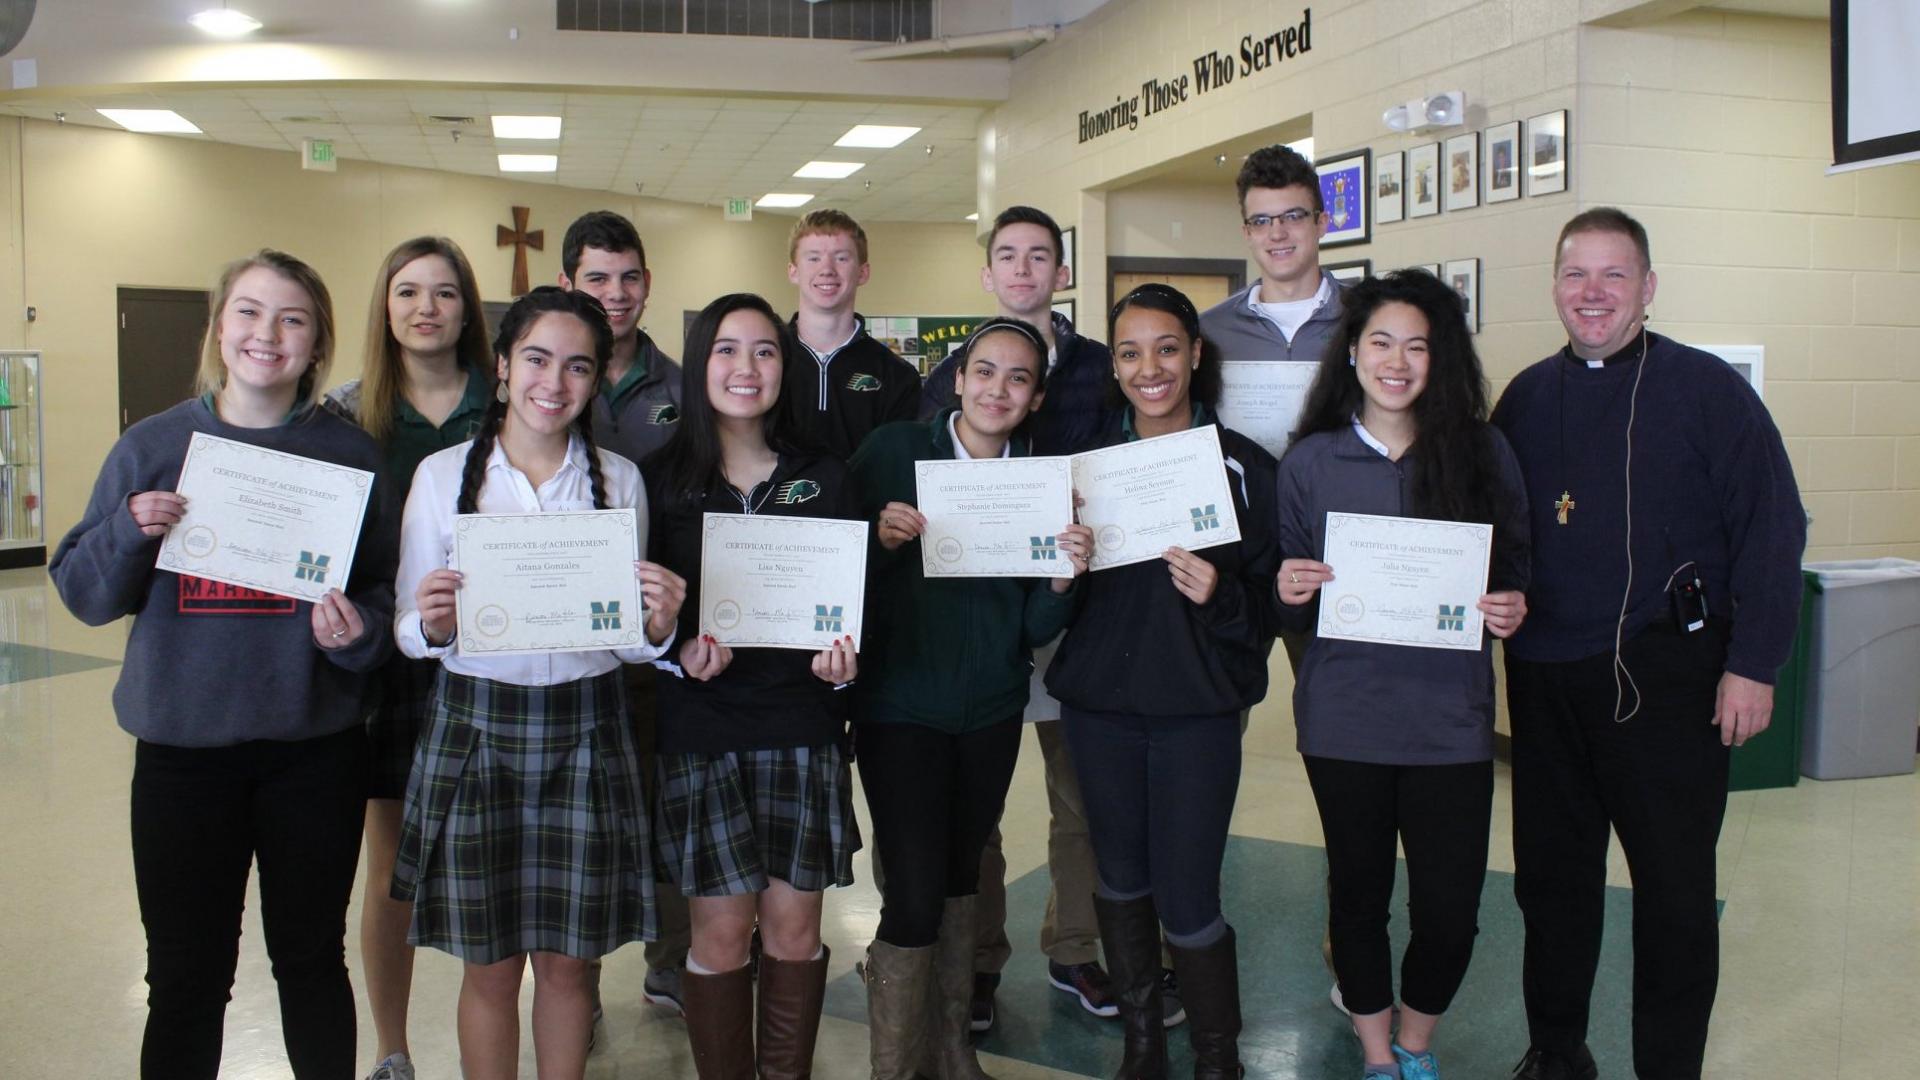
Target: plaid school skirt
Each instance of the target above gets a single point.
(404, 706)
(525, 827)
(725, 823)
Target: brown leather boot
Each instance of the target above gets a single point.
(1130, 936)
(897, 984)
(791, 993)
(1210, 985)
(950, 1040)
(720, 1023)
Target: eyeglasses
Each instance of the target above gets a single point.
(1291, 218)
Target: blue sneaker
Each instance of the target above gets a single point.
(1419, 1066)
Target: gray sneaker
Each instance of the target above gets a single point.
(395, 1066)
(1171, 1010)
(662, 988)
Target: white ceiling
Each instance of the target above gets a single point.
(697, 149)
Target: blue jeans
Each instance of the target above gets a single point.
(1159, 794)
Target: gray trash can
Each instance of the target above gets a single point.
(1863, 670)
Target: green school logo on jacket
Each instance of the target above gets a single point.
(1453, 617)
(796, 491)
(826, 619)
(664, 414)
(864, 383)
(1044, 547)
(606, 615)
(1204, 517)
(311, 568)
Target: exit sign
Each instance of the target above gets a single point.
(317, 155)
(739, 210)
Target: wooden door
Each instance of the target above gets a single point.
(160, 336)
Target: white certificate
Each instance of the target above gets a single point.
(1141, 498)
(998, 517)
(547, 583)
(1405, 581)
(1261, 399)
(782, 582)
(266, 520)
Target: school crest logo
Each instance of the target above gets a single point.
(664, 414)
(826, 619)
(1453, 617)
(864, 383)
(311, 568)
(794, 492)
(1044, 547)
(1204, 517)
(606, 615)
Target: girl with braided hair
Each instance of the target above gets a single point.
(525, 826)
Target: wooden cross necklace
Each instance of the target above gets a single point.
(1564, 505)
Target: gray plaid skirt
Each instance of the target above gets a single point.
(525, 827)
(725, 823)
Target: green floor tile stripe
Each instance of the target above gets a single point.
(1275, 897)
(20, 663)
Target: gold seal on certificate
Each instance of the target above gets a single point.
(266, 520)
(1141, 498)
(782, 582)
(1405, 581)
(995, 517)
(1261, 399)
(545, 583)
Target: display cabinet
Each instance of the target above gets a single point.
(23, 540)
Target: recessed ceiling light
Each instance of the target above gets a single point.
(224, 22)
(975, 216)
(526, 127)
(878, 136)
(783, 200)
(829, 170)
(151, 120)
(529, 162)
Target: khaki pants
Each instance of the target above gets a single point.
(1068, 931)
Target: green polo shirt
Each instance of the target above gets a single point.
(413, 436)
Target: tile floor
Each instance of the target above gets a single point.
(1821, 929)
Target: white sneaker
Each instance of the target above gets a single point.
(396, 1066)
(1338, 1002)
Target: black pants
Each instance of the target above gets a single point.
(1442, 814)
(200, 819)
(1660, 780)
(934, 798)
(1159, 794)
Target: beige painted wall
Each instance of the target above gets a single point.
(1714, 130)
(105, 209)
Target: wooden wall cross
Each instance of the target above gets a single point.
(521, 239)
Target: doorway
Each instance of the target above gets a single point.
(160, 337)
(1206, 282)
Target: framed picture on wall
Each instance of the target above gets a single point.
(1389, 187)
(1067, 238)
(1462, 191)
(1546, 153)
(1343, 188)
(1064, 307)
(1431, 268)
(1501, 154)
(1464, 277)
(1349, 272)
(1423, 181)
(1749, 360)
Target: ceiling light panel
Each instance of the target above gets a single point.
(224, 22)
(783, 200)
(160, 121)
(829, 170)
(526, 127)
(876, 136)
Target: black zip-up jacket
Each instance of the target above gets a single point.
(856, 388)
(767, 699)
(1074, 411)
(1138, 646)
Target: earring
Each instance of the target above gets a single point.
(500, 393)
(1350, 361)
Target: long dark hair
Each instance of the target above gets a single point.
(519, 319)
(690, 462)
(383, 378)
(1204, 386)
(1455, 476)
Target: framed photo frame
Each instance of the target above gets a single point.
(1349, 272)
(1423, 181)
(1546, 153)
(1064, 307)
(1463, 275)
(1500, 156)
(1068, 238)
(1343, 188)
(1389, 187)
(1431, 268)
(1462, 189)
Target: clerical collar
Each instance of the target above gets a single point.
(1629, 352)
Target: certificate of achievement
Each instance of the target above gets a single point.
(1141, 498)
(266, 520)
(1405, 581)
(1261, 399)
(997, 517)
(782, 582)
(547, 583)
